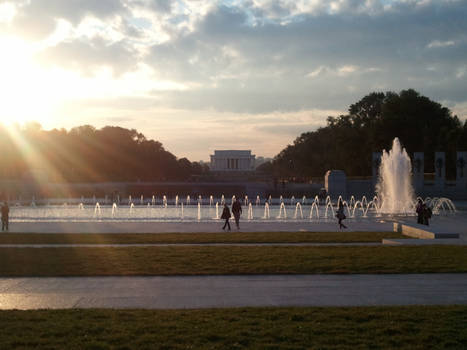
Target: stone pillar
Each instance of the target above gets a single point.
(418, 170)
(335, 182)
(375, 163)
(461, 170)
(440, 170)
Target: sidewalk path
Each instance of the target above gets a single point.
(192, 227)
(133, 245)
(232, 291)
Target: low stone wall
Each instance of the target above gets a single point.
(422, 233)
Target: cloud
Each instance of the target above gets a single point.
(461, 72)
(89, 56)
(253, 57)
(346, 70)
(161, 5)
(35, 20)
(317, 72)
(437, 44)
(279, 67)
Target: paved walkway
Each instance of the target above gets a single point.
(232, 291)
(124, 245)
(193, 227)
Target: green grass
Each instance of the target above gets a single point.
(182, 260)
(234, 237)
(414, 328)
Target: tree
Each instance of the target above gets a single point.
(347, 141)
(87, 154)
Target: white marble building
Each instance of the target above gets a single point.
(232, 161)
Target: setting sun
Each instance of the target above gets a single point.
(25, 89)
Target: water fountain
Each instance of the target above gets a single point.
(314, 208)
(298, 209)
(97, 210)
(357, 209)
(266, 211)
(250, 212)
(352, 200)
(282, 212)
(329, 207)
(395, 197)
(394, 187)
(114, 209)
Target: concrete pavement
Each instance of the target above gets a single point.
(134, 245)
(232, 291)
(193, 227)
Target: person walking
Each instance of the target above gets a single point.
(226, 216)
(237, 211)
(5, 216)
(340, 215)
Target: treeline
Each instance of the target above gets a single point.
(87, 154)
(347, 141)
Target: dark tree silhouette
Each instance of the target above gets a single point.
(87, 154)
(347, 141)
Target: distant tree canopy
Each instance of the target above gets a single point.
(87, 154)
(372, 123)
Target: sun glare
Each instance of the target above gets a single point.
(32, 92)
(23, 88)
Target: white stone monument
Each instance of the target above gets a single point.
(232, 161)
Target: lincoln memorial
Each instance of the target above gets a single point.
(232, 161)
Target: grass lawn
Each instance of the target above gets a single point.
(182, 260)
(235, 237)
(415, 327)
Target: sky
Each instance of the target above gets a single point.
(201, 75)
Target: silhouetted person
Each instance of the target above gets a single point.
(226, 216)
(419, 210)
(5, 216)
(340, 215)
(237, 211)
(426, 214)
